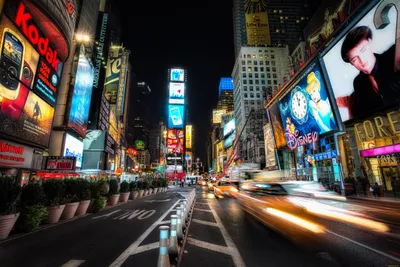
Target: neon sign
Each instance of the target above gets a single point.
(295, 140)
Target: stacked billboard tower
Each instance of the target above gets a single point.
(176, 124)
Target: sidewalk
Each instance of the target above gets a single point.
(379, 200)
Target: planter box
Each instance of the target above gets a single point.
(141, 192)
(7, 222)
(146, 192)
(69, 210)
(134, 194)
(82, 208)
(114, 199)
(54, 214)
(155, 190)
(124, 197)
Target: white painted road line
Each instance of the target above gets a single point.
(132, 248)
(165, 222)
(209, 246)
(205, 222)
(146, 248)
(365, 246)
(237, 259)
(202, 210)
(73, 263)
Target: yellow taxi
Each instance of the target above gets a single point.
(224, 188)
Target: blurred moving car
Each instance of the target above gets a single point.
(203, 182)
(210, 184)
(225, 188)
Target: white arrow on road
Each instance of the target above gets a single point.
(163, 200)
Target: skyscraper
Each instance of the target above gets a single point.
(225, 95)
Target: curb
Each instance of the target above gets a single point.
(48, 226)
(394, 203)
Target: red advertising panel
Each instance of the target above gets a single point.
(175, 141)
(60, 163)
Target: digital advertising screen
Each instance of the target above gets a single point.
(189, 129)
(94, 140)
(217, 114)
(175, 141)
(73, 147)
(229, 133)
(306, 111)
(276, 122)
(362, 66)
(140, 145)
(113, 72)
(176, 93)
(176, 116)
(177, 75)
(80, 104)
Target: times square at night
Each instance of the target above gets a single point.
(230, 133)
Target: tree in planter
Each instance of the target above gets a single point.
(33, 212)
(72, 199)
(113, 193)
(9, 195)
(97, 192)
(84, 195)
(140, 187)
(54, 191)
(134, 189)
(124, 191)
(146, 187)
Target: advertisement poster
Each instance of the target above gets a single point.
(112, 129)
(113, 72)
(176, 93)
(175, 141)
(189, 129)
(229, 133)
(122, 83)
(176, 116)
(94, 140)
(270, 159)
(276, 121)
(15, 155)
(80, 104)
(189, 159)
(306, 111)
(60, 163)
(225, 118)
(217, 114)
(140, 145)
(361, 66)
(30, 120)
(257, 24)
(73, 147)
(177, 75)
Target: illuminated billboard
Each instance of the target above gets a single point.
(217, 113)
(113, 72)
(276, 122)
(189, 159)
(177, 75)
(363, 66)
(189, 130)
(176, 93)
(175, 141)
(229, 133)
(257, 24)
(73, 147)
(80, 104)
(270, 159)
(140, 145)
(176, 116)
(306, 111)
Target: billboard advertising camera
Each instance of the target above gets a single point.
(176, 93)
(73, 147)
(177, 75)
(363, 66)
(229, 133)
(80, 104)
(306, 111)
(176, 116)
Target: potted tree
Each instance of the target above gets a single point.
(33, 212)
(146, 187)
(97, 201)
(9, 195)
(113, 195)
(134, 190)
(124, 191)
(155, 187)
(84, 194)
(140, 187)
(151, 187)
(71, 197)
(54, 191)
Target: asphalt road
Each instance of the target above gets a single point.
(223, 234)
(114, 237)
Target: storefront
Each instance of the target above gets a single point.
(370, 149)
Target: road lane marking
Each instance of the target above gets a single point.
(146, 214)
(205, 222)
(165, 222)
(237, 259)
(105, 215)
(209, 246)
(132, 248)
(146, 248)
(158, 200)
(73, 263)
(202, 210)
(365, 246)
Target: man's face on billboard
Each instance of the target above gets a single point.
(362, 57)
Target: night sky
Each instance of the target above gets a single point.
(195, 35)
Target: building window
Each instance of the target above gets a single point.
(258, 95)
(269, 82)
(243, 62)
(254, 56)
(250, 75)
(257, 88)
(244, 74)
(268, 69)
(250, 81)
(261, 63)
(249, 69)
(262, 75)
(255, 62)
(245, 88)
(251, 95)
(255, 68)
(251, 88)
(273, 63)
(269, 75)
(274, 75)
(275, 82)
(256, 75)
(272, 56)
(273, 69)
(261, 68)
(266, 63)
(262, 81)
(257, 81)
(276, 87)
(243, 68)
(248, 62)
(244, 81)
(245, 95)
(248, 56)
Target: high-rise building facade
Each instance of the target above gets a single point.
(225, 95)
(154, 143)
(141, 112)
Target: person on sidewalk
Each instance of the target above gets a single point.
(377, 190)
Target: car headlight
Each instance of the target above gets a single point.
(234, 189)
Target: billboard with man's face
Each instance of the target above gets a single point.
(362, 65)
